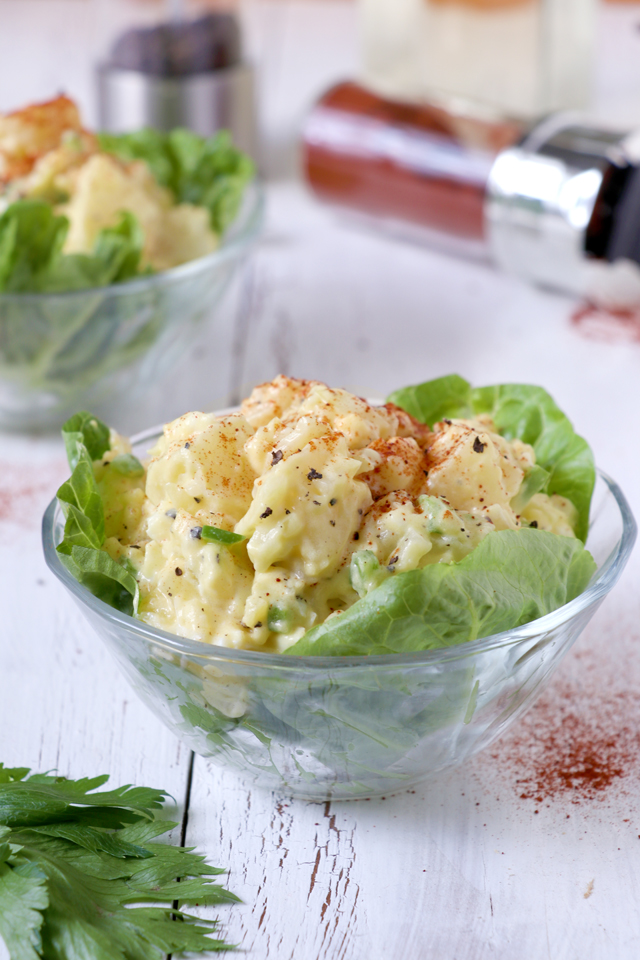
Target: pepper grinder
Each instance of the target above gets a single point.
(180, 74)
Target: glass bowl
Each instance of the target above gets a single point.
(323, 728)
(63, 352)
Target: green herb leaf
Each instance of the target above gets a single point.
(518, 410)
(216, 535)
(66, 885)
(511, 578)
(23, 897)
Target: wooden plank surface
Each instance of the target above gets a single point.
(64, 705)
(464, 868)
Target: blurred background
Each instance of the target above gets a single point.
(498, 67)
(298, 47)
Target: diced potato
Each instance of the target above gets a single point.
(306, 509)
(28, 134)
(200, 466)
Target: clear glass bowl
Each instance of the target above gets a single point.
(323, 728)
(63, 352)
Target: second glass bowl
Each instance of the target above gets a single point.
(63, 352)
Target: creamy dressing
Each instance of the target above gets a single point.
(331, 494)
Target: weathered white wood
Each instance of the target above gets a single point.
(463, 869)
(460, 869)
(421, 874)
(64, 705)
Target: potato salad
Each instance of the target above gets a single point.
(79, 209)
(251, 528)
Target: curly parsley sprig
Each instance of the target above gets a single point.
(73, 860)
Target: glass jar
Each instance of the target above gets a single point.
(524, 58)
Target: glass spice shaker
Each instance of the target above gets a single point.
(557, 203)
(524, 58)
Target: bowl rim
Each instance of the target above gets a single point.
(606, 578)
(240, 235)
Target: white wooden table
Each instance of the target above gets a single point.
(462, 869)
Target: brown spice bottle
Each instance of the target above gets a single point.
(414, 162)
(557, 203)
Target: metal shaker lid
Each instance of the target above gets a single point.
(563, 210)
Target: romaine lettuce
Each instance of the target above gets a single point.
(518, 410)
(511, 578)
(86, 439)
(31, 258)
(210, 172)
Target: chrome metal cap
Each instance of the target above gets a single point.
(562, 210)
(204, 102)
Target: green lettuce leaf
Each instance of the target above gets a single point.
(511, 578)
(518, 410)
(31, 239)
(32, 261)
(209, 172)
(87, 438)
(84, 428)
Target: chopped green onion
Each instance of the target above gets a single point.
(216, 535)
(127, 465)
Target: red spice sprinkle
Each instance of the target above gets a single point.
(608, 324)
(25, 490)
(573, 747)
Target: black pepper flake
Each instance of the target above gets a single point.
(317, 502)
(135, 546)
(187, 445)
(356, 535)
(178, 572)
(332, 502)
(267, 513)
(171, 513)
(196, 533)
(447, 421)
(426, 473)
(197, 499)
(534, 524)
(478, 445)
(287, 512)
(332, 522)
(314, 475)
(258, 624)
(276, 457)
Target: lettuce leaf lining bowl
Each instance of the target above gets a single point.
(322, 727)
(61, 352)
